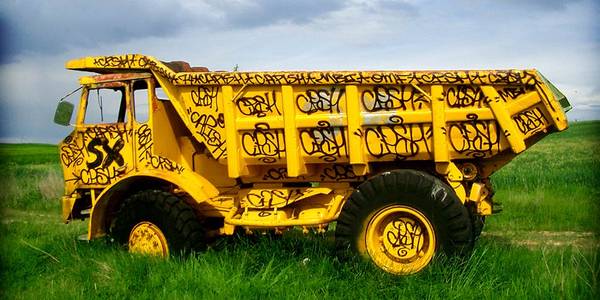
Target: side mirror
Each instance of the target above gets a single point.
(63, 113)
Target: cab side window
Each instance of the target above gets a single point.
(106, 106)
(141, 106)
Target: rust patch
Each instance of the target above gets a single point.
(183, 66)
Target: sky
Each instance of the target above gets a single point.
(559, 38)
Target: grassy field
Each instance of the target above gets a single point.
(543, 245)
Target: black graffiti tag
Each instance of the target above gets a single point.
(511, 92)
(325, 141)
(506, 77)
(208, 128)
(405, 237)
(205, 96)
(339, 172)
(397, 139)
(276, 174)
(112, 153)
(101, 176)
(144, 147)
(71, 154)
(392, 98)
(325, 100)
(258, 105)
(263, 142)
(271, 198)
(477, 138)
(464, 96)
(530, 120)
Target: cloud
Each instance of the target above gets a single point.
(560, 39)
(51, 27)
(250, 14)
(545, 5)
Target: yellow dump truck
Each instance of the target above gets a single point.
(164, 156)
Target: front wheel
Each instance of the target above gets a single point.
(157, 223)
(400, 219)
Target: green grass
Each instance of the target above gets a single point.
(543, 245)
(554, 185)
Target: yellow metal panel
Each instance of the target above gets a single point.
(235, 165)
(440, 139)
(408, 117)
(249, 123)
(67, 206)
(498, 107)
(478, 194)
(553, 108)
(355, 134)
(524, 102)
(462, 114)
(306, 121)
(295, 163)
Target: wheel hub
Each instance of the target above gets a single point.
(400, 239)
(403, 238)
(147, 238)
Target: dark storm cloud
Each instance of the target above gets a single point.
(50, 27)
(42, 27)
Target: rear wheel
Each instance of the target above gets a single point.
(157, 223)
(400, 219)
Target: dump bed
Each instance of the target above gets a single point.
(296, 120)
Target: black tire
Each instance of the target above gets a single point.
(478, 224)
(176, 219)
(427, 194)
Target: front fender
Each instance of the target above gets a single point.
(198, 187)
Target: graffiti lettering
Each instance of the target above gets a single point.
(205, 96)
(464, 96)
(112, 153)
(272, 198)
(95, 146)
(405, 237)
(506, 77)
(398, 140)
(338, 172)
(276, 174)
(325, 100)
(144, 148)
(263, 142)
(325, 141)
(258, 105)
(71, 154)
(475, 138)
(108, 132)
(509, 93)
(392, 98)
(530, 121)
(208, 128)
(100, 176)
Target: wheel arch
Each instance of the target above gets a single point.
(199, 190)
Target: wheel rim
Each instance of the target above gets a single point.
(147, 238)
(400, 240)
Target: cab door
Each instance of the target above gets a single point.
(100, 149)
